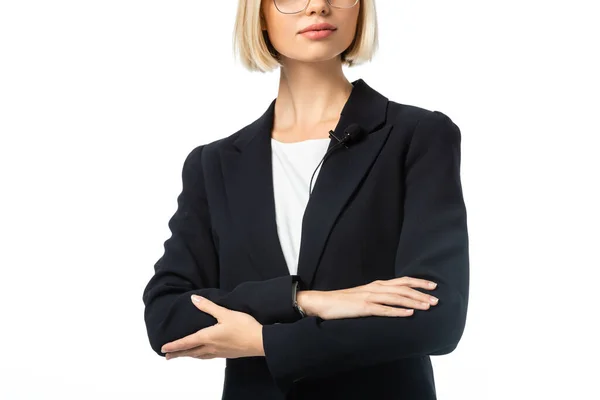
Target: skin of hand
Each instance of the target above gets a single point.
(374, 298)
(236, 334)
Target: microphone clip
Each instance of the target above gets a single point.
(331, 134)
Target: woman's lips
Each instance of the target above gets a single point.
(318, 34)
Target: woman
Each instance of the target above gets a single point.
(321, 291)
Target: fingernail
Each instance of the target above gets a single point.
(197, 298)
(432, 284)
(433, 299)
(409, 311)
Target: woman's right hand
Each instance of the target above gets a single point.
(377, 298)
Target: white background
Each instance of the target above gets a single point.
(100, 101)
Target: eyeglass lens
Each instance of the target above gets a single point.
(294, 6)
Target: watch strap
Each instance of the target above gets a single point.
(296, 306)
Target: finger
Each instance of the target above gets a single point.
(208, 306)
(405, 291)
(412, 282)
(193, 352)
(393, 299)
(206, 354)
(187, 342)
(386, 311)
(415, 294)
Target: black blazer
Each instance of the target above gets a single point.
(390, 205)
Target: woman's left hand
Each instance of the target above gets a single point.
(236, 334)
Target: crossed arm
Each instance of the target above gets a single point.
(433, 245)
(189, 265)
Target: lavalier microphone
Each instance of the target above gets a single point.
(352, 134)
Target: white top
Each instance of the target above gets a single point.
(293, 166)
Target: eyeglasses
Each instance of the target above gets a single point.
(296, 6)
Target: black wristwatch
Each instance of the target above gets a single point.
(297, 307)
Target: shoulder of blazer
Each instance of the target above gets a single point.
(212, 149)
(205, 152)
(405, 115)
(409, 117)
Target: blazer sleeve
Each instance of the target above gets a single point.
(190, 265)
(433, 245)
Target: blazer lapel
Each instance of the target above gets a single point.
(247, 170)
(248, 179)
(341, 173)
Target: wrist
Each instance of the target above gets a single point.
(307, 300)
(259, 347)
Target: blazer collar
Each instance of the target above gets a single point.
(248, 181)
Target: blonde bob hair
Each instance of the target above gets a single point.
(256, 52)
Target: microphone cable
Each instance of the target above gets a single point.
(352, 134)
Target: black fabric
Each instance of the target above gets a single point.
(390, 205)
